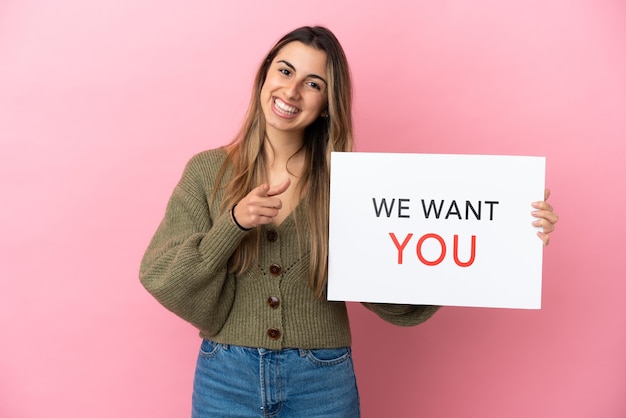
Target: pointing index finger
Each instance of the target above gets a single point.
(279, 189)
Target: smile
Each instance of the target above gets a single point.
(284, 108)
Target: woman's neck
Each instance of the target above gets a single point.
(280, 149)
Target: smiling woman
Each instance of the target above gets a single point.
(242, 252)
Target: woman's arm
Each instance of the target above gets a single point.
(400, 314)
(185, 265)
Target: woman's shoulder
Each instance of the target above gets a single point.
(201, 173)
(206, 163)
(209, 158)
(203, 168)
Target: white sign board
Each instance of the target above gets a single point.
(435, 229)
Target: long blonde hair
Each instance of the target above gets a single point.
(333, 133)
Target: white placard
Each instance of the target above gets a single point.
(435, 229)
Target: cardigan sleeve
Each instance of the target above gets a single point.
(186, 264)
(402, 315)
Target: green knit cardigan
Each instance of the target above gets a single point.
(270, 306)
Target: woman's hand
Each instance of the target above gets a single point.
(546, 218)
(260, 206)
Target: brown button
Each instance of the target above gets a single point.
(273, 301)
(275, 269)
(273, 333)
(271, 235)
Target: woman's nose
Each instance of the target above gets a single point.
(292, 89)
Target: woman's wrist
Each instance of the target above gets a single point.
(232, 216)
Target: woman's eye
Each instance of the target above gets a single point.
(285, 71)
(314, 85)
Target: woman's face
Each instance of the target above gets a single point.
(295, 93)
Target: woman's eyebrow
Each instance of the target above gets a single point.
(290, 65)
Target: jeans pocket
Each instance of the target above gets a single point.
(328, 356)
(208, 348)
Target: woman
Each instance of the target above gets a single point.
(242, 251)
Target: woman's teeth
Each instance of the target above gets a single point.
(284, 107)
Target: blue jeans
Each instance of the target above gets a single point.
(233, 381)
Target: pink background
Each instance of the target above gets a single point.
(103, 102)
